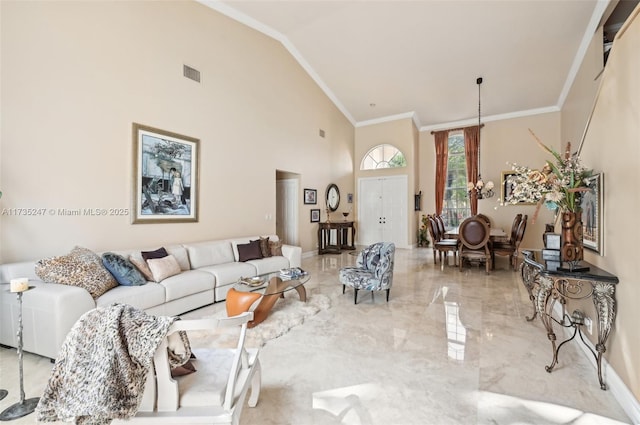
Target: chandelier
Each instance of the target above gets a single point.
(479, 188)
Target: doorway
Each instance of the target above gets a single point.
(287, 185)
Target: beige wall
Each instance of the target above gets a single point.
(76, 75)
(579, 102)
(502, 142)
(611, 147)
(401, 134)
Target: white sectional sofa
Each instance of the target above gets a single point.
(208, 270)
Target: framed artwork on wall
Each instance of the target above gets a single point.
(591, 206)
(315, 216)
(165, 176)
(310, 196)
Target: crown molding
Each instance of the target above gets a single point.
(499, 117)
(238, 16)
(389, 118)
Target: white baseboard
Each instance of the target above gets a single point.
(620, 391)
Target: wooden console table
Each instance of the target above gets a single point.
(345, 236)
(547, 285)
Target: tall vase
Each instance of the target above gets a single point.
(571, 249)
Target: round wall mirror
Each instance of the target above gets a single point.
(333, 197)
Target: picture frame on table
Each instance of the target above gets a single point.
(592, 218)
(506, 188)
(315, 215)
(165, 176)
(310, 196)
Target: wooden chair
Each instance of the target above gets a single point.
(215, 393)
(485, 218)
(440, 244)
(511, 248)
(475, 244)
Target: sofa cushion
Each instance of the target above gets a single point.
(122, 270)
(249, 251)
(181, 255)
(230, 272)
(81, 267)
(270, 265)
(210, 253)
(164, 267)
(143, 297)
(187, 283)
(158, 253)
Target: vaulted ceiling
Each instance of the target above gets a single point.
(379, 60)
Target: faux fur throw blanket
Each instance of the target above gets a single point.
(101, 369)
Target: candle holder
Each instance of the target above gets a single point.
(23, 407)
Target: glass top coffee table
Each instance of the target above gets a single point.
(267, 288)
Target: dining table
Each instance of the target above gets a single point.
(495, 233)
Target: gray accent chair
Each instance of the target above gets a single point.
(373, 270)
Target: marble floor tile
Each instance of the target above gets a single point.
(450, 347)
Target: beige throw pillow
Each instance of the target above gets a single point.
(164, 267)
(142, 266)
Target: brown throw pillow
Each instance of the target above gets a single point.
(185, 369)
(264, 247)
(158, 253)
(249, 251)
(275, 247)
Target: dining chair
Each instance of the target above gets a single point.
(441, 244)
(475, 244)
(485, 218)
(511, 248)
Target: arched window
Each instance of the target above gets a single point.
(383, 156)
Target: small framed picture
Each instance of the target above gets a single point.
(310, 196)
(315, 216)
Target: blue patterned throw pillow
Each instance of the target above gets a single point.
(122, 269)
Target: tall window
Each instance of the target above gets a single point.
(383, 156)
(456, 200)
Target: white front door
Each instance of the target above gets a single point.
(382, 210)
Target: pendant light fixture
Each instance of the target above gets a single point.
(480, 189)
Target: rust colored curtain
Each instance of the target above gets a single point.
(471, 152)
(442, 157)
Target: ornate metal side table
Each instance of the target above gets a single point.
(547, 285)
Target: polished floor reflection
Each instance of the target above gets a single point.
(450, 347)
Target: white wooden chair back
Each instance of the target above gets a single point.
(167, 400)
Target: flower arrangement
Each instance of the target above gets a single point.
(558, 185)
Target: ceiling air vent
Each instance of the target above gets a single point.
(191, 73)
